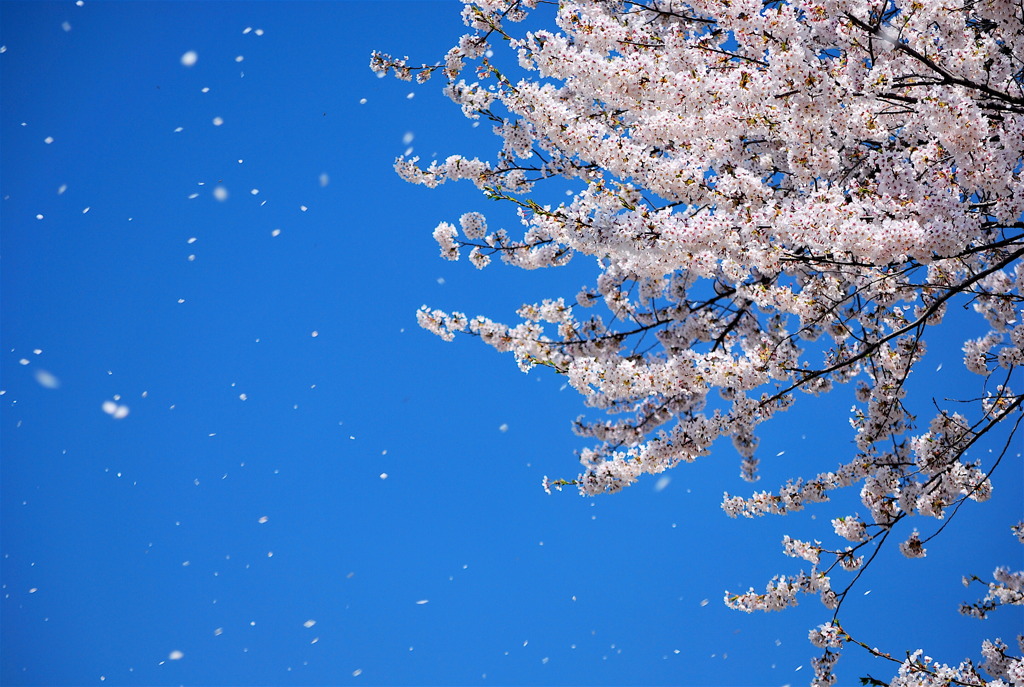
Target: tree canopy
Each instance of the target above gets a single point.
(781, 198)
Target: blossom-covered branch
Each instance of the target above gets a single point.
(781, 198)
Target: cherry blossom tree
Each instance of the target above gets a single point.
(781, 197)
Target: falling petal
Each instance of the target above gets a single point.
(47, 380)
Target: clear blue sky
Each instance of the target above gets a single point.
(124, 540)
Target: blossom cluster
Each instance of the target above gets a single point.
(1006, 588)
(781, 198)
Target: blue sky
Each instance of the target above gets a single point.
(127, 539)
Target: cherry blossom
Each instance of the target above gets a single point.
(781, 198)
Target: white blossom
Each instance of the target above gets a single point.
(778, 197)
